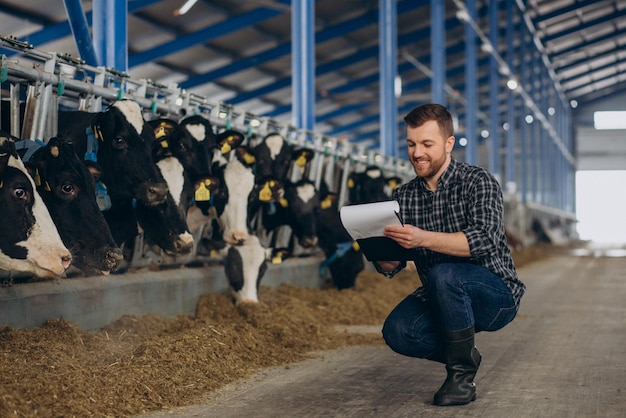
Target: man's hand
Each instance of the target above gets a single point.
(388, 265)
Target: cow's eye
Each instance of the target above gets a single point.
(119, 142)
(20, 194)
(67, 188)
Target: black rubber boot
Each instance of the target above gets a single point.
(462, 361)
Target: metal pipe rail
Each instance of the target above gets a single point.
(53, 81)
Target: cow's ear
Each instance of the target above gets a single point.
(302, 156)
(229, 140)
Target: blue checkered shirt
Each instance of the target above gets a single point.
(467, 199)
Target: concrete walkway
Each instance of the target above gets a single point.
(563, 356)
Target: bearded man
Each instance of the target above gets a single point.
(453, 221)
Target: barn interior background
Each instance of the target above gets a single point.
(522, 78)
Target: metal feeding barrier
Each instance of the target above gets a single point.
(39, 83)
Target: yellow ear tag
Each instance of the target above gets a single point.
(47, 187)
(226, 148)
(202, 194)
(37, 178)
(164, 144)
(249, 158)
(98, 133)
(160, 132)
(350, 183)
(283, 202)
(213, 253)
(326, 203)
(1, 184)
(265, 195)
(355, 246)
(277, 259)
(393, 184)
(301, 160)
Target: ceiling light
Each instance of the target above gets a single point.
(185, 7)
(512, 84)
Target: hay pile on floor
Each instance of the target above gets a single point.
(141, 364)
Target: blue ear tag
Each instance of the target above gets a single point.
(102, 197)
(272, 208)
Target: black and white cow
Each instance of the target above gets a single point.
(245, 265)
(119, 141)
(29, 240)
(69, 192)
(344, 259)
(195, 146)
(298, 201)
(370, 186)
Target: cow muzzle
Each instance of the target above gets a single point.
(308, 242)
(152, 194)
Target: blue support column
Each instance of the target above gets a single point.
(110, 33)
(524, 127)
(388, 71)
(303, 63)
(510, 59)
(80, 29)
(438, 51)
(494, 79)
(471, 87)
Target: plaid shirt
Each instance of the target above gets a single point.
(467, 199)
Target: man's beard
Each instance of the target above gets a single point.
(435, 166)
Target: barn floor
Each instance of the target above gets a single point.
(563, 356)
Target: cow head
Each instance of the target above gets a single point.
(231, 204)
(68, 190)
(368, 186)
(123, 150)
(273, 157)
(245, 265)
(302, 203)
(29, 240)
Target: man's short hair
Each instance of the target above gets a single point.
(431, 111)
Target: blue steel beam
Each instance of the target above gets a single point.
(303, 64)
(570, 8)
(609, 38)
(80, 30)
(471, 87)
(284, 48)
(110, 33)
(387, 64)
(55, 31)
(189, 40)
(361, 55)
(601, 21)
(616, 75)
(494, 87)
(613, 65)
(437, 51)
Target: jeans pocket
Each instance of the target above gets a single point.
(504, 316)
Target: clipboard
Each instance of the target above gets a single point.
(366, 222)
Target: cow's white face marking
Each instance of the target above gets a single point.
(253, 254)
(374, 173)
(174, 175)
(306, 192)
(198, 131)
(132, 113)
(47, 255)
(240, 182)
(275, 144)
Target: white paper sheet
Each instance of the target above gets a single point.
(370, 219)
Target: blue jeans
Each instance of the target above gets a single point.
(459, 295)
